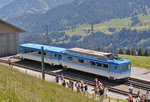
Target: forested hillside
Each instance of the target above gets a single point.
(117, 23)
(19, 8)
(123, 39)
(4, 2)
(83, 12)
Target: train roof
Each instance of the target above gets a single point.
(88, 52)
(46, 48)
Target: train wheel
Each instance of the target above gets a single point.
(22, 58)
(111, 78)
(65, 68)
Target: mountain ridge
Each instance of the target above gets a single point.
(21, 7)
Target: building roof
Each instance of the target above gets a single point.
(88, 52)
(46, 48)
(13, 26)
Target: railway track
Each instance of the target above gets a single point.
(135, 82)
(139, 83)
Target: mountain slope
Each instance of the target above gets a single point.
(82, 12)
(115, 15)
(21, 7)
(4, 2)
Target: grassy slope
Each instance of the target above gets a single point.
(18, 87)
(118, 24)
(138, 61)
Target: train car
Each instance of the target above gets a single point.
(105, 64)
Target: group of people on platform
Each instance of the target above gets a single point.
(140, 97)
(81, 87)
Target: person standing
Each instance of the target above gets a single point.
(9, 61)
(85, 90)
(64, 83)
(131, 89)
(82, 87)
(62, 79)
(57, 78)
(95, 82)
(72, 85)
(105, 91)
(147, 95)
(138, 94)
(130, 99)
(101, 92)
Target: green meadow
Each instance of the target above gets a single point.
(138, 61)
(18, 87)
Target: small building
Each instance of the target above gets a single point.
(9, 39)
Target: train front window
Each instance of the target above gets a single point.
(122, 67)
(128, 66)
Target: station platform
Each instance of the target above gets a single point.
(140, 73)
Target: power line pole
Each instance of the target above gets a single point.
(42, 63)
(92, 33)
(47, 34)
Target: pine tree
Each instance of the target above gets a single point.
(140, 52)
(108, 51)
(146, 52)
(128, 52)
(121, 51)
(133, 52)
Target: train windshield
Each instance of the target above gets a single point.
(128, 66)
(125, 67)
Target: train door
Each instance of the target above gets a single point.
(112, 71)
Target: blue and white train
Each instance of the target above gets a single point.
(100, 63)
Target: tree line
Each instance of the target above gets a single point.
(135, 52)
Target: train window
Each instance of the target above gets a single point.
(69, 58)
(55, 56)
(81, 61)
(128, 66)
(99, 64)
(39, 52)
(115, 68)
(24, 51)
(47, 54)
(59, 56)
(75, 59)
(111, 67)
(33, 52)
(86, 62)
(44, 54)
(122, 67)
(105, 66)
(92, 63)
